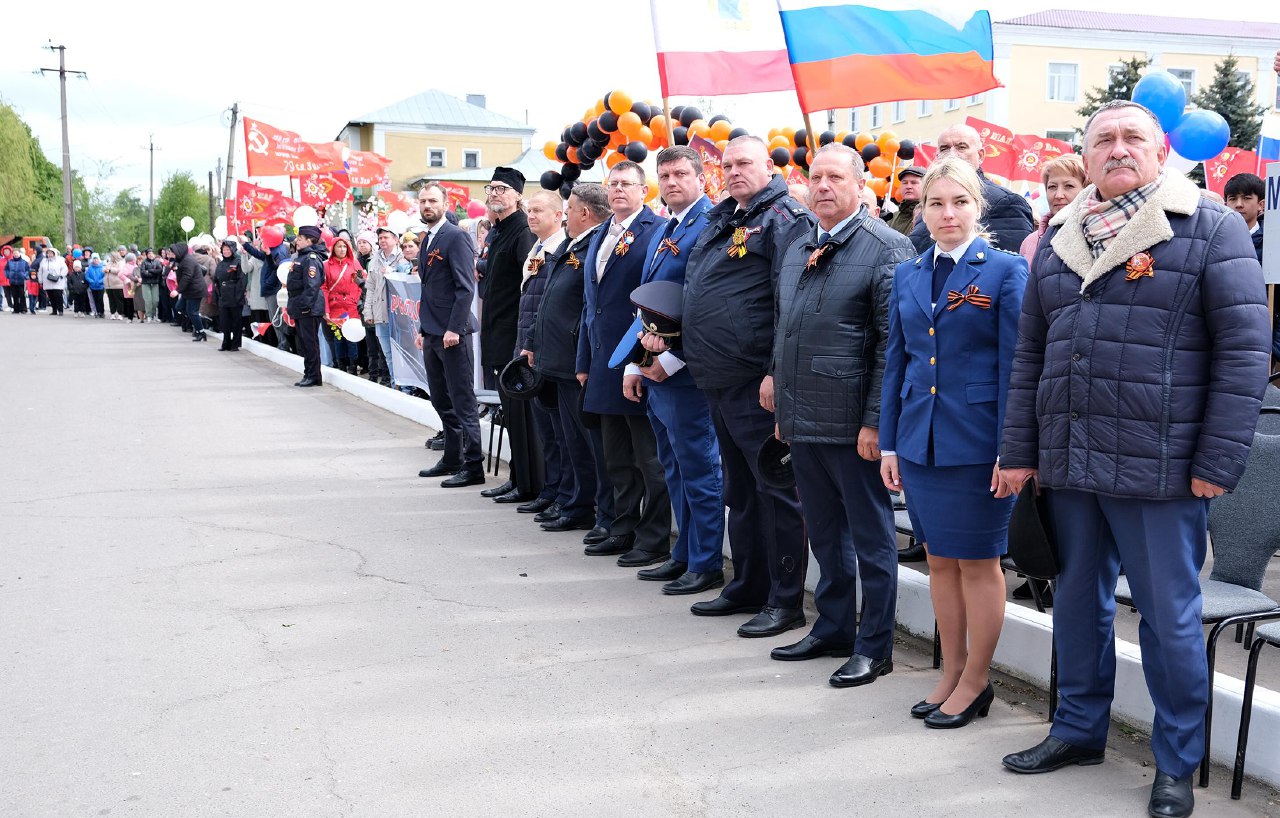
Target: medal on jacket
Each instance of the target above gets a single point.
(624, 243)
(738, 246)
(669, 245)
(1140, 265)
(433, 257)
(974, 296)
(535, 264)
(815, 256)
(572, 261)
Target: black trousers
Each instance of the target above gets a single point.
(641, 501)
(553, 482)
(449, 380)
(17, 294)
(577, 462)
(229, 321)
(115, 299)
(766, 530)
(164, 307)
(55, 301)
(96, 296)
(80, 302)
(307, 333)
(526, 454)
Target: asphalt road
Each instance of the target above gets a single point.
(224, 596)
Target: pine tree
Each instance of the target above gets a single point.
(1120, 85)
(1233, 97)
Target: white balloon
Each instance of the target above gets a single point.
(219, 231)
(282, 272)
(353, 330)
(188, 224)
(221, 220)
(398, 221)
(1179, 163)
(305, 216)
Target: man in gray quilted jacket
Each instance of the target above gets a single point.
(1137, 380)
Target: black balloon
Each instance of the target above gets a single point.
(850, 141)
(717, 118)
(642, 110)
(676, 113)
(608, 122)
(688, 115)
(569, 173)
(562, 152)
(800, 156)
(591, 150)
(551, 180)
(826, 138)
(780, 156)
(737, 132)
(906, 150)
(594, 132)
(565, 190)
(680, 134)
(870, 151)
(586, 164)
(577, 133)
(802, 138)
(636, 151)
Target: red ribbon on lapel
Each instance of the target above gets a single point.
(973, 296)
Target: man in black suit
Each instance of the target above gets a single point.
(446, 262)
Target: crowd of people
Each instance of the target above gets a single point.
(797, 360)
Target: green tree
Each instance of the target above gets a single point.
(180, 196)
(1233, 96)
(129, 216)
(30, 185)
(1119, 85)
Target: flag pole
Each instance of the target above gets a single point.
(812, 140)
(669, 140)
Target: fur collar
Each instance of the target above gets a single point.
(1148, 227)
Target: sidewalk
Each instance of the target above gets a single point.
(222, 595)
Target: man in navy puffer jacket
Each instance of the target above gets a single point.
(1137, 380)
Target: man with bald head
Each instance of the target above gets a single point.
(1136, 385)
(728, 347)
(1006, 214)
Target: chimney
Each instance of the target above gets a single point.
(476, 100)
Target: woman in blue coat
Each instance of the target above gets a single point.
(953, 325)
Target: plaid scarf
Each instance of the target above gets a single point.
(1103, 220)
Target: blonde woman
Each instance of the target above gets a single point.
(1063, 179)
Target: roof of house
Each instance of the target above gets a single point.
(532, 163)
(436, 108)
(1108, 21)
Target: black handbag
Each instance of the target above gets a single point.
(1032, 544)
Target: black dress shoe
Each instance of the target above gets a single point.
(723, 606)
(1023, 591)
(665, 572)
(497, 491)
(567, 524)
(860, 670)
(551, 512)
(1171, 797)
(535, 505)
(638, 558)
(771, 622)
(811, 647)
(513, 496)
(980, 706)
(437, 442)
(616, 544)
(441, 468)
(466, 477)
(1052, 754)
(912, 553)
(311, 383)
(923, 708)
(597, 534)
(693, 582)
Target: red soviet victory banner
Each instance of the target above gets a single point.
(999, 158)
(323, 189)
(233, 217)
(1227, 164)
(367, 169)
(255, 204)
(398, 201)
(282, 211)
(711, 166)
(1027, 150)
(271, 151)
(458, 194)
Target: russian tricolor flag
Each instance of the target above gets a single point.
(1268, 142)
(845, 55)
(719, 47)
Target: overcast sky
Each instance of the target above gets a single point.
(311, 67)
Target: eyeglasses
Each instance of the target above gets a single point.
(501, 190)
(620, 185)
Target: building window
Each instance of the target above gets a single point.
(951, 105)
(875, 117)
(976, 99)
(899, 112)
(1062, 136)
(926, 108)
(1064, 82)
(1242, 77)
(1186, 76)
(855, 120)
(435, 157)
(471, 160)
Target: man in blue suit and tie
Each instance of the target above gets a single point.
(678, 411)
(641, 530)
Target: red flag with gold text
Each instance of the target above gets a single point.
(271, 151)
(323, 189)
(366, 168)
(1000, 158)
(1227, 164)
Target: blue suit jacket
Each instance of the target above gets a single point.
(448, 282)
(607, 313)
(947, 370)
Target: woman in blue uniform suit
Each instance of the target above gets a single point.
(953, 324)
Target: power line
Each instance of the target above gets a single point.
(68, 207)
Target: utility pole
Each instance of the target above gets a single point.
(68, 206)
(217, 169)
(212, 217)
(231, 149)
(151, 193)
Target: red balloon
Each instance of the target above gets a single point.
(272, 237)
(476, 209)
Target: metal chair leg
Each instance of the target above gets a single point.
(937, 646)
(1053, 682)
(1246, 712)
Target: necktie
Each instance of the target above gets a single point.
(606, 248)
(823, 238)
(941, 269)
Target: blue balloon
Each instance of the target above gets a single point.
(77, 254)
(1164, 95)
(1200, 135)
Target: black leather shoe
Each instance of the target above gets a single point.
(535, 505)
(437, 442)
(466, 477)
(665, 572)
(1170, 797)
(498, 491)
(912, 553)
(597, 534)
(567, 524)
(617, 544)
(1023, 591)
(923, 708)
(810, 647)
(638, 558)
(551, 512)
(513, 496)
(299, 382)
(311, 383)
(860, 670)
(441, 468)
(722, 606)
(1052, 754)
(980, 707)
(771, 622)
(692, 582)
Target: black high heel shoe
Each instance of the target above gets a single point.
(923, 708)
(980, 706)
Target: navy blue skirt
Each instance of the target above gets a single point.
(956, 512)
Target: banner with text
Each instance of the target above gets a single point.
(404, 295)
(323, 189)
(271, 151)
(366, 168)
(1271, 249)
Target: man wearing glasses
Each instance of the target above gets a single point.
(509, 246)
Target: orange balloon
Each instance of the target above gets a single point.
(613, 159)
(629, 124)
(779, 141)
(620, 102)
(617, 139)
(658, 125)
(599, 107)
(722, 144)
(884, 138)
(549, 150)
(653, 189)
(572, 153)
(880, 167)
(790, 134)
(841, 135)
(878, 186)
(656, 142)
(862, 140)
(721, 130)
(644, 134)
(889, 148)
(699, 127)
(773, 133)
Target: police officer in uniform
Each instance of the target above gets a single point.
(306, 300)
